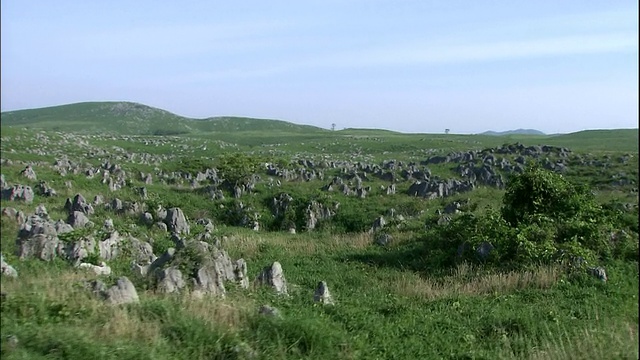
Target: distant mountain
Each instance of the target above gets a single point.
(514, 132)
(127, 118)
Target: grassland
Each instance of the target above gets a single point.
(391, 302)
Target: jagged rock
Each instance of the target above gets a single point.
(162, 260)
(78, 220)
(116, 205)
(378, 224)
(240, 273)
(122, 293)
(7, 270)
(45, 189)
(207, 223)
(98, 200)
(41, 246)
(160, 213)
(322, 294)
(383, 239)
(209, 279)
(29, 173)
(162, 226)
(484, 249)
(35, 225)
(109, 247)
(598, 272)
(21, 218)
(41, 211)
(170, 280)
(80, 204)
(269, 311)
(80, 249)
(10, 212)
(176, 221)
(62, 227)
(103, 269)
(274, 277)
(147, 218)
(18, 193)
(108, 225)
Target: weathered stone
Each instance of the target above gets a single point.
(170, 280)
(273, 276)
(29, 173)
(103, 269)
(7, 270)
(176, 221)
(383, 239)
(18, 193)
(269, 311)
(122, 293)
(598, 272)
(322, 294)
(78, 220)
(484, 249)
(41, 246)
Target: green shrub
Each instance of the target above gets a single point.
(543, 219)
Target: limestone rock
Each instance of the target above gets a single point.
(122, 293)
(322, 294)
(7, 269)
(176, 221)
(273, 276)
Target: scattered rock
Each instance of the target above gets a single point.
(269, 311)
(122, 293)
(322, 294)
(7, 270)
(176, 221)
(273, 276)
(103, 269)
(598, 272)
(29, 173)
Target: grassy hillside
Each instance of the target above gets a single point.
(593, 140)
(403, 300)
(125, 118)
(128, 118)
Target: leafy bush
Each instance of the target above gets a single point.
(237, 168)
(538, 192)
(543, 219)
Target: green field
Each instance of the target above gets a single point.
(413, 298)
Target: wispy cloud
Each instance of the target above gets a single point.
(425, 54)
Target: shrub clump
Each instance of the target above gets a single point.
(544, 218)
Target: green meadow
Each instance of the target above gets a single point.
(417, 297)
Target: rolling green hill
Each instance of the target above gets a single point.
(126, 118)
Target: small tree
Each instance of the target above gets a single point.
(237, 167)
(446, 131)
(333, 127)
(540, 193)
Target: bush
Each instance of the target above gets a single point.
(540, 193)
(543, 219)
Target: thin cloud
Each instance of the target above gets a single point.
(423, 54)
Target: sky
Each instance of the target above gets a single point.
(412, 66)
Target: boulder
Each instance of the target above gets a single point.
(322, 294)
(7, 270)
(122, 293)
(29, 173)
(176, 221)
(102, 269)
(18, 193)
(273, 276)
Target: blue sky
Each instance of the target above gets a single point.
(410, 66)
